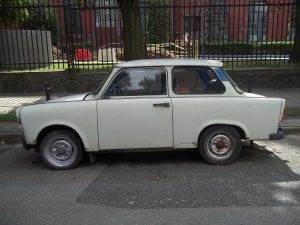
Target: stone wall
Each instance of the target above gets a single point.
(267, 78)
(61, 81)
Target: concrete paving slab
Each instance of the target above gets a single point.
(10, 103)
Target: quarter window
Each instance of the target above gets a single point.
(195, 80)
(139, 81)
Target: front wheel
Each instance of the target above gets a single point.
(220, 145)
(61, 149)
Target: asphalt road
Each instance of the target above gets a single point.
(262, 187)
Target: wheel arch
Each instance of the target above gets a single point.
(50, 128)
(238, 128)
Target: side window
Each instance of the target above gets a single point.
(195, 80)
(138, 82)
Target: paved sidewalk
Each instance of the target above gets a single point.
(10, 101)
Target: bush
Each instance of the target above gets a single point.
(274, 48)
(228, 49)
(247, 48)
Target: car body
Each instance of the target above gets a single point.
(153, 104)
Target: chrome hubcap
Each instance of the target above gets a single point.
(220, 146)
(61, 150)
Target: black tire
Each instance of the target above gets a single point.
(61, 150)
(220, 145)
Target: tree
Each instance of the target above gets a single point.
(133, 35)
(42, 17)
(30, 14)
(158, 22)
(13, 12)
(295, 54)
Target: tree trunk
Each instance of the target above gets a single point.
(295, 54)
(133, 35)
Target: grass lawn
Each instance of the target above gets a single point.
(11, 116)
(80, 66)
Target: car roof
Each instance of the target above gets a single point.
(170, 62)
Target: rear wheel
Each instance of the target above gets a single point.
(61, 150)
(220, 145)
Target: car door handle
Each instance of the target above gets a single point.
(161, 104)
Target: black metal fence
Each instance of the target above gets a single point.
(88, 34)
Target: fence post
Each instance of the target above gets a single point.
(47, 91)
(69, 35)
(250, 82)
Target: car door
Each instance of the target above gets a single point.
(135, 111)
(197, 98)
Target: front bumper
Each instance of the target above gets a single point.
(277, 136)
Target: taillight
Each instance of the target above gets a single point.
(283, 114)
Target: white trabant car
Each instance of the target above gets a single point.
(153, 104)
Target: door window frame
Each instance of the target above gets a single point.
(136, 96)
(198, 94)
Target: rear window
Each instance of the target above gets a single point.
(195, 80)
(222, 73)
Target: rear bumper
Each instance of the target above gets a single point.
(277, 136)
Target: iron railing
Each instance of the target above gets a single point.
(87, 34)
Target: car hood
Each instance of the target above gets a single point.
(69, 98)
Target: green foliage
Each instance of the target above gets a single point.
(31, 15)
(10, 116)
(13, 11)
(158, 21)
(228, 48)
(274, 48)
(42, 17)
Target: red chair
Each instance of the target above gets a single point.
(83, 54)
